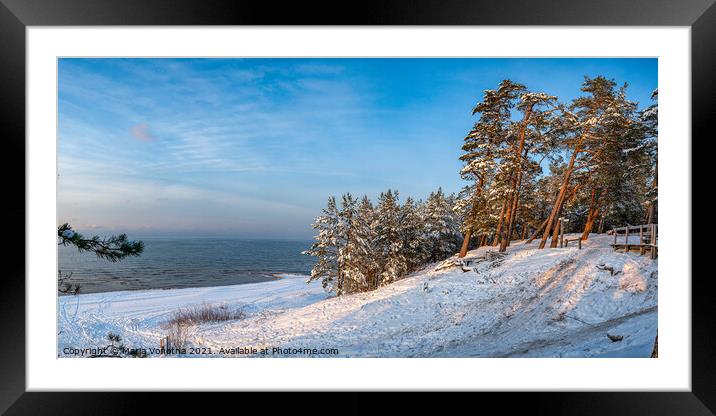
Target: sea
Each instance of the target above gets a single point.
(171, 263)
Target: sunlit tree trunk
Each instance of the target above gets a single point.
(495, 239)
(516, 182)
(555, 233)
(500, 225)
(556, 209)
(503, 232)
(515, 206)
(593, 213)
(465, 243)
(536, 233)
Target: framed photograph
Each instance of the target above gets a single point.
(432, 197)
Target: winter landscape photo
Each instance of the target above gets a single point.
(357, 207)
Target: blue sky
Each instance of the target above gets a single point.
(253, 147)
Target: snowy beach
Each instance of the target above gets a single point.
(562, 302)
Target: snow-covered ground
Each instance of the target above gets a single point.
(530, 303)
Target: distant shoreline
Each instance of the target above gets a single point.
(270, 277)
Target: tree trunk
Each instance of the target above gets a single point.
(496, 240)
(513, 196)
(473, 214)
(652, 206)
(513, 212)
(565, 184)
(601, 225)
(552, 219)
(537, 231)
(339, 283)
(563, 189)
(655, 350)
(649, 214)
(555, 234)
(465, 243)
(524, 232)
(503, 233)
(513, 218)
(592, 214)
(590, 223)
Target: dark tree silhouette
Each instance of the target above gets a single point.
(113, 248)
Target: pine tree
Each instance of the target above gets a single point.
(527, 134)
(366, 242)
(442, 227)
(482, 146)
(618, 172)
(584, 124)
(388, 239)
(650, 124)
(412, 234)
(326, 248)
(349, 249)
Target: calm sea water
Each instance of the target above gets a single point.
(169, 263)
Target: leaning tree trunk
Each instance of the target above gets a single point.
(557, 208)
(465, 243)
(557, 228)
(555, 234)
(655, 350)
(562, 191)
(537, 231)
(473, 214)
(590, 223)
(496, 240)
(551, 220)
(554, 214)
(594, 209)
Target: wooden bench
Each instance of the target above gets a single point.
(578, 240)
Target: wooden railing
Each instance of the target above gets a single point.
(647, 234)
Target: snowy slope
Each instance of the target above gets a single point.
(531, 303)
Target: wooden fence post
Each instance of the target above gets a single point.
(614, 231)
(641, 240)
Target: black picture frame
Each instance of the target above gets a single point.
(16, 15)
